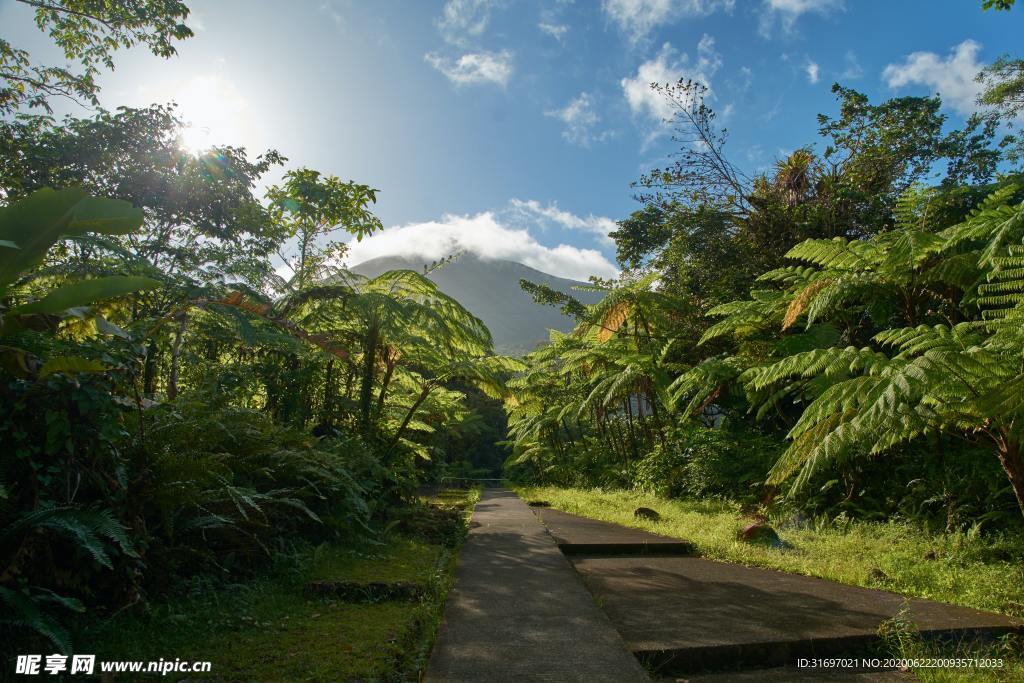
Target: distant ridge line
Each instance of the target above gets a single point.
(489, 289)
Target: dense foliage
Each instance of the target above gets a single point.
(189, 380)
(841, 333)
(191, 383)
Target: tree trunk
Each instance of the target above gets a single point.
(1013, 464)
(179, 335)
(149, 372)
(384, 386)
(350, 374)
(632, 430)
(659, 428)
(303, 257)
(368, 372)
(412, 411)
(325, 410)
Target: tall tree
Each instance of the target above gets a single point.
(88, 32)
(311, 207)
(203, 224)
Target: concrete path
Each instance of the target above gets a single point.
(689, 613)
(519, 612)
(577, 535)
(705, 610)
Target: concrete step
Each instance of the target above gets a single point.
(687, 614)
(577, 535)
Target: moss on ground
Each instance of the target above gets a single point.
(268, 629)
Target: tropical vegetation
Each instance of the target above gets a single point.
(200, 400)
(174, 405)
(838, 334)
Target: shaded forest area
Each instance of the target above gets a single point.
(175, 406)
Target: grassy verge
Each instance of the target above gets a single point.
(961, 569)
(269, 629)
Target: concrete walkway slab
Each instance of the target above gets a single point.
(519, 612)
(689, 614)
(577, 535)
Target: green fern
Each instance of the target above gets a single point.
(31, 609)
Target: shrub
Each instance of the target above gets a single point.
(697, 461)
(195, 485)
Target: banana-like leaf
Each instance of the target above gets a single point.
(35, 223)
(86, 292)
(104, 326)
(71, 365)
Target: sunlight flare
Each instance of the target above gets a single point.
(212, 111)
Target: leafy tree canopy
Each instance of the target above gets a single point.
(88, 32)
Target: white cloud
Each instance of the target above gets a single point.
(745, 79)
(853, 68)
(332, 11)
(463, 20)
(786, 12)
(952, 77)
(812, 71)
(474, 67)
(668, 67)
(755, 154)
(580, 121)
(196, 21)
(485, 235)
(556, 31)
(637, 18)
(531, 210)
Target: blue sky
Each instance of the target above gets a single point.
(514, 127)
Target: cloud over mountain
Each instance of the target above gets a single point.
(496, 235)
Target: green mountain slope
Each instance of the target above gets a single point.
(490, 290)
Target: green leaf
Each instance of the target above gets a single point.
(104, 326)
(86, 292)
(37, 222)
(71, 365)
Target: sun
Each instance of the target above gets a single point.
(212, 113)
(194, 139)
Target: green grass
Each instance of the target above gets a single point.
(266, 629)
(979, 572)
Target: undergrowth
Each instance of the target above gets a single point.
(270, 629)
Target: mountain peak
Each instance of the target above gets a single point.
(489, 289)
